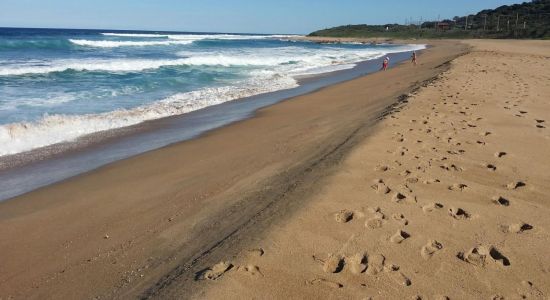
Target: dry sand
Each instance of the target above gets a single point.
(450, 197)
(342, 193)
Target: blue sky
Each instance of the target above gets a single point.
(253, 16)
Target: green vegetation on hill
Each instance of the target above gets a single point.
(526, 20)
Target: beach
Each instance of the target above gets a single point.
(422, 181)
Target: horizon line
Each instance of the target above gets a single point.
(147, 30)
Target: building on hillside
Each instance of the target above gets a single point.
(443, 26)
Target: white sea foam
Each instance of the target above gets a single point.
(208, 59)
(114, 44)
(276, 70)
(138, 35)
(112, 65)
(255, 57)
(130, 65)
(51, 129)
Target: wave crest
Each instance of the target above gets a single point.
(114, 44)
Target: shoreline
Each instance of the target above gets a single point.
(142, 219)
(23, 172)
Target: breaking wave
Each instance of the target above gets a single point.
(52, 129)
(114, 44)
(268, 70)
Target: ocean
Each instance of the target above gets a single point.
(58, 85)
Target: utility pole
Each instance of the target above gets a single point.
(498, 23)
(466, 25)
(508, 25)
(485, 24)
(524, 24)
(516, 28)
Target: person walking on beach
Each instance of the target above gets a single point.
(385, 63)
(414, 58)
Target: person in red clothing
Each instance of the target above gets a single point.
(385, 63)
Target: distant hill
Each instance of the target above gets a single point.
(525, 20)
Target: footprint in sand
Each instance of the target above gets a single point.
(399, 237)
(458, 213)
(327, 283)
(251, 270)
(333, 264)
(480, 256)
(528, 290)
(398, 197)
(400, 218)
(500, 154)
(402, 197)
(375, 264)
(401, 151)
(405, 173)
(518, 227)
(451, 167)
(460, 187)
(411, 180)
(430, 249)
(431, 181)
(452, 152)
(540, 126)
(357, 264)
(539, 121)
(428, 208)
(216, 271)
(377, 212)
(499, 200)
(374, 223)
(441, 297)
(482, 143)
(343, 216)
(491, 167)
(380, 187)
(257, 252)
(381, 168)
(514, 185)
(484, 133)
(397, 276)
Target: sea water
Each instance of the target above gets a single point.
(57, 85)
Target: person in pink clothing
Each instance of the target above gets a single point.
(385, 63)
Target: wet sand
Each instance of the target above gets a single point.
(148, 225)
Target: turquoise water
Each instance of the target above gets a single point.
(58, 85)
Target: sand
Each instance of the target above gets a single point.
(449, 197)
(354, 191)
